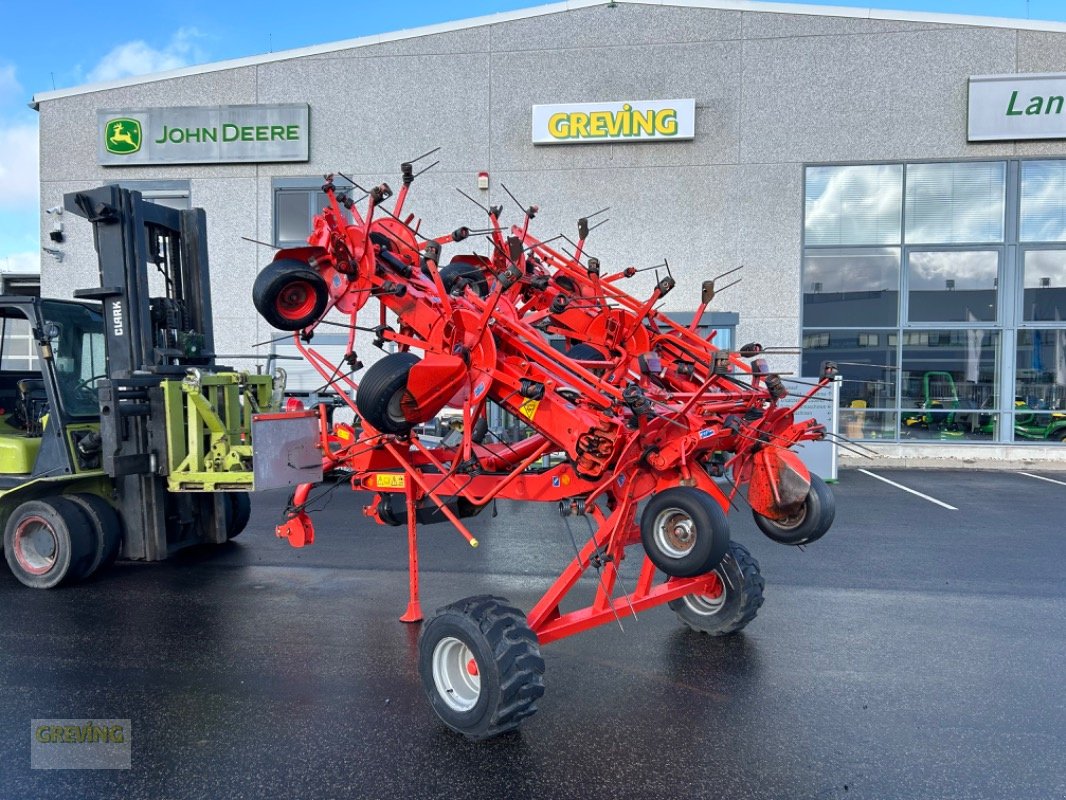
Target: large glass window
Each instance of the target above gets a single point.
(955, 203)
(951, 326)
(1040, 386)
(851, 287)
(1044, 295)
(853, 205)
(1043, 201)
(952, 285)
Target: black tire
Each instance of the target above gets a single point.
(238, 512)
(107, 529)
(741, 598)
(457, 270)
(380, 392)
(289, 294)
(684, 532)
(49, 542)
(508, 671)
(808, 524)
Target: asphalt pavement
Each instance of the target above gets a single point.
(917, 651)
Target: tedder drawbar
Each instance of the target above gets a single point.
(638, 408)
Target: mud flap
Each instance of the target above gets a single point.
(779, 483)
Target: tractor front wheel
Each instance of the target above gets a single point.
(47, 542)
(289, 294)
(684, 532)
(809, 522)
(238, 512)
(481, 666)
(735, 606)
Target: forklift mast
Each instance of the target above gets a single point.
(149, 339)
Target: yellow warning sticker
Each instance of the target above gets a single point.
(344, 434)
(390, 480)
(529, 408)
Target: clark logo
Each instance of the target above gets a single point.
(122, 136)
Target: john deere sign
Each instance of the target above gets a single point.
(624, 121)
(1013, 107)
(203, 135)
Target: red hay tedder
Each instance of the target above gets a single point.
(637, 408)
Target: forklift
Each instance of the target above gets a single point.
(120, 435)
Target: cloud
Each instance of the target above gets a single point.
(140, 58)
(18, 167)
(21, 262)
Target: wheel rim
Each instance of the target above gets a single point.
(704, 604)
(36, 546)
(456, 674)
(794, 520)
(674, 532)
(296, 300)
(394, 410)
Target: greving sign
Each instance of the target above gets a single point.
(203, 134)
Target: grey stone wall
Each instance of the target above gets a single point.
(773, 91)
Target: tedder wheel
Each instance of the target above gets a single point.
(481, 666)
(809, 523)
(684, 531)
(289, 294)
(107, 529)
(381, 390)
(47, 542)
(238, 512)
(457, 270)
(738, 603)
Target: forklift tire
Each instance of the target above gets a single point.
(459, 270)
(481, 666)
(289, 294)
(736, 606)
(381, 390)
(238, 512)
(808, 524)
(49, 542)
(107, 529)
(684, 532)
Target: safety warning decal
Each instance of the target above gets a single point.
(390, 480)
(529, 408)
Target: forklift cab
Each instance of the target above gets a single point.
(52, 354)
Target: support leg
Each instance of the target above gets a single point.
(414, 607)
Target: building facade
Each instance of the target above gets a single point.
(889, 182)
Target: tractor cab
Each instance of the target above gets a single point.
(52, 354)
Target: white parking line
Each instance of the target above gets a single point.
(912, 491)
(1042, 478)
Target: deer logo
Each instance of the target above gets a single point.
(122, 136)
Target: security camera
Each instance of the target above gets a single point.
(54, 210)
(56, 254)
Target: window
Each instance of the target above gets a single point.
(19, 352)
(296, 202)
(853, 205)
(952, 285)
(955, 203)
(174, 194)
(1043, 201)
(851, 287)
(951, 326)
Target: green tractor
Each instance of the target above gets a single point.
(119, 434)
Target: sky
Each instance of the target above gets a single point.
(67, 43)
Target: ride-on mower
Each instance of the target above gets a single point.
(636, 409)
